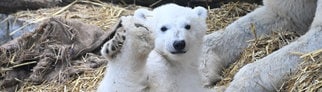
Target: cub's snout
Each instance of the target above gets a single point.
(179, 47)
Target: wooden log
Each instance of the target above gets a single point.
(10, 6)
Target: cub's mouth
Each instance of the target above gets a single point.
(178, 52)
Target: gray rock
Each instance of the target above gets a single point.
(11, 27)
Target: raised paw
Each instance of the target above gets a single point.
(115, 44)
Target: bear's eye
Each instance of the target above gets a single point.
(163, 28)
(187, 27)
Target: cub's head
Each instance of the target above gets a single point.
(177, 29)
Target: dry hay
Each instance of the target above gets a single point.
(86, 82)
(97, 13)
(219, 18)
(51, 54)
(257, 49)
(309, 76)
(104, 15)
(101, 14)
(307, 79)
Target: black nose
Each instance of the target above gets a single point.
(179, 45)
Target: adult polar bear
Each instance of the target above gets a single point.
(267, 74)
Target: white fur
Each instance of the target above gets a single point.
(168, 72)
(224, 47)
(160, 71)
(267, 74)
(125, 72)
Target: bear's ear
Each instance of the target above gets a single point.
(141, 13)
(201, 12)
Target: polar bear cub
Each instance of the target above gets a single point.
(172, 66)
(125, 67)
